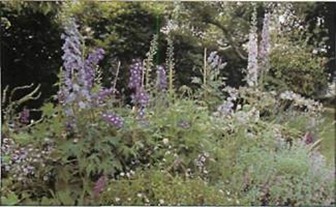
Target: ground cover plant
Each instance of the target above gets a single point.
(162, 144)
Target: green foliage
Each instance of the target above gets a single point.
(160, 188)
(297, 69)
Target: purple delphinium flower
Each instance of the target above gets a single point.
(265, 43)
(101, 97)
(136, 71)
(113, 119)
(24, 116)
(252, 64)
(215, 61)
(226, 108)
(141, 97)
(161, 83)
(89, 67)
(72, 57)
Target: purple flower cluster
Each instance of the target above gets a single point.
(135, 80)
(72, 57)
(103, 94)
(161, 78)
(78, 73)
(113, 119)
(140, 97)
(226, 108)
(24, 116)
(215, 61)
(89, 67)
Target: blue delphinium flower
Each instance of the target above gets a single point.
(141, 97)
(136, 71)
(113, 119)
(72, 57)
(89, 67)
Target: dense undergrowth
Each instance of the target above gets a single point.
(213, 146)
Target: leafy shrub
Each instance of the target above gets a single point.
(297, 69)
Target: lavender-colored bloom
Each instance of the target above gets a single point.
(136, 71)
(24, 116)
(252, 65)
(89, 67)
(99, 186)
(103, 94)
(113, 119)
(215, 61)
(141, 97)
(72, 57)
(265, 43)
(226, 108)
(161, 78)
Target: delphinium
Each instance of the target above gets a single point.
(252, 65)
(79, 79)
(264, 49)
(113, 119)
(140, 98)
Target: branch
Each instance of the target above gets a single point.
(228, 36)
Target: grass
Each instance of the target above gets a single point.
(328, 134)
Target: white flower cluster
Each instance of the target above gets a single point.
(300, 101)
(200, 162)
(169, 27)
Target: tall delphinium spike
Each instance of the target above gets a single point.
(264, 49)
(140, 97)
(252, 65)
(72, 63)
